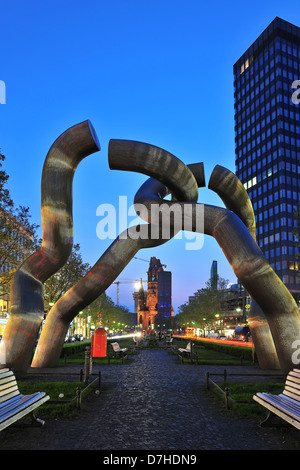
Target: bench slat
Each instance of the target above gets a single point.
(294, 373)
(24, 411)
(8, 396)
(8, 390)
(290, 386)
(18, 403)
(294, 381)
(282, 404)
(117, 348)
(13, 405)
(7, 383)
(285, 407)
(292, 395)
(287, 404)
(276, 411)
(6, 374)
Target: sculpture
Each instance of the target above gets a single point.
(27, 306)
(243, 254)
(274, 317)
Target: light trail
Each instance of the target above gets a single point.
(243, 344)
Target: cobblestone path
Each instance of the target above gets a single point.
(154, 403)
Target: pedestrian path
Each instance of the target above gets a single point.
(159, 404)
(154, 403)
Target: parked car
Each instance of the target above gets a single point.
(70, 339)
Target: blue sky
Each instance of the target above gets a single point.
(159, 72)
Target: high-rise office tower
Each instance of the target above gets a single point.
(267, 137)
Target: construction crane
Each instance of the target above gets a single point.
(124, 281)
(141, 259)
(147, 261)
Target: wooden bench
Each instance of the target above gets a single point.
(169, 341)
(285, 405)
(14, 405)
(187, 350)
(118, 351)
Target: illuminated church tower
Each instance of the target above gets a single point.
(157, 302)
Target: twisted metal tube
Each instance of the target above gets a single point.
(113, 261)
(235, 197)
(27, 307)
(246, 260)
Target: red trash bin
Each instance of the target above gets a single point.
(99, 343)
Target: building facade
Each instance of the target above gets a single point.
(15, 247)
(267, 143)
(156, 303)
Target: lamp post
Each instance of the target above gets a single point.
(237, 310)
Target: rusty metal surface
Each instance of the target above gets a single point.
(235, 197)
(248, 264)
(27, 307)
(113, 261)
(233, 228)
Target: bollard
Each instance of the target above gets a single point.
(78, 398)
(207, 380)
(81, 375)
(227, 398)
(99, 379)
(91, 364)
(86, 364)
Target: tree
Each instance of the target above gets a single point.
(72, 271)
(104, 312)
(204, 306)
(18, 238)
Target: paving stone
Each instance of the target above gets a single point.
(154, 403)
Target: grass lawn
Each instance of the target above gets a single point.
(211, 357)
(78, 357)
(245, 392)
(58, 391)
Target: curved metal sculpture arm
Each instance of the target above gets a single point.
(27, 308)
(153, 161)
(235, 197)
(249, 265)
(93, 284)
(107, 269)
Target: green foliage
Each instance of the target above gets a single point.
(112, 316)
(240, 352)
(201, 311)
(245, 392)
(152, 341)
(72, 272)
(54, 390)
(18, 238)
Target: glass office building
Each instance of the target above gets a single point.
(267, 142)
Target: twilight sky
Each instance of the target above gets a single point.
(157, 71)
